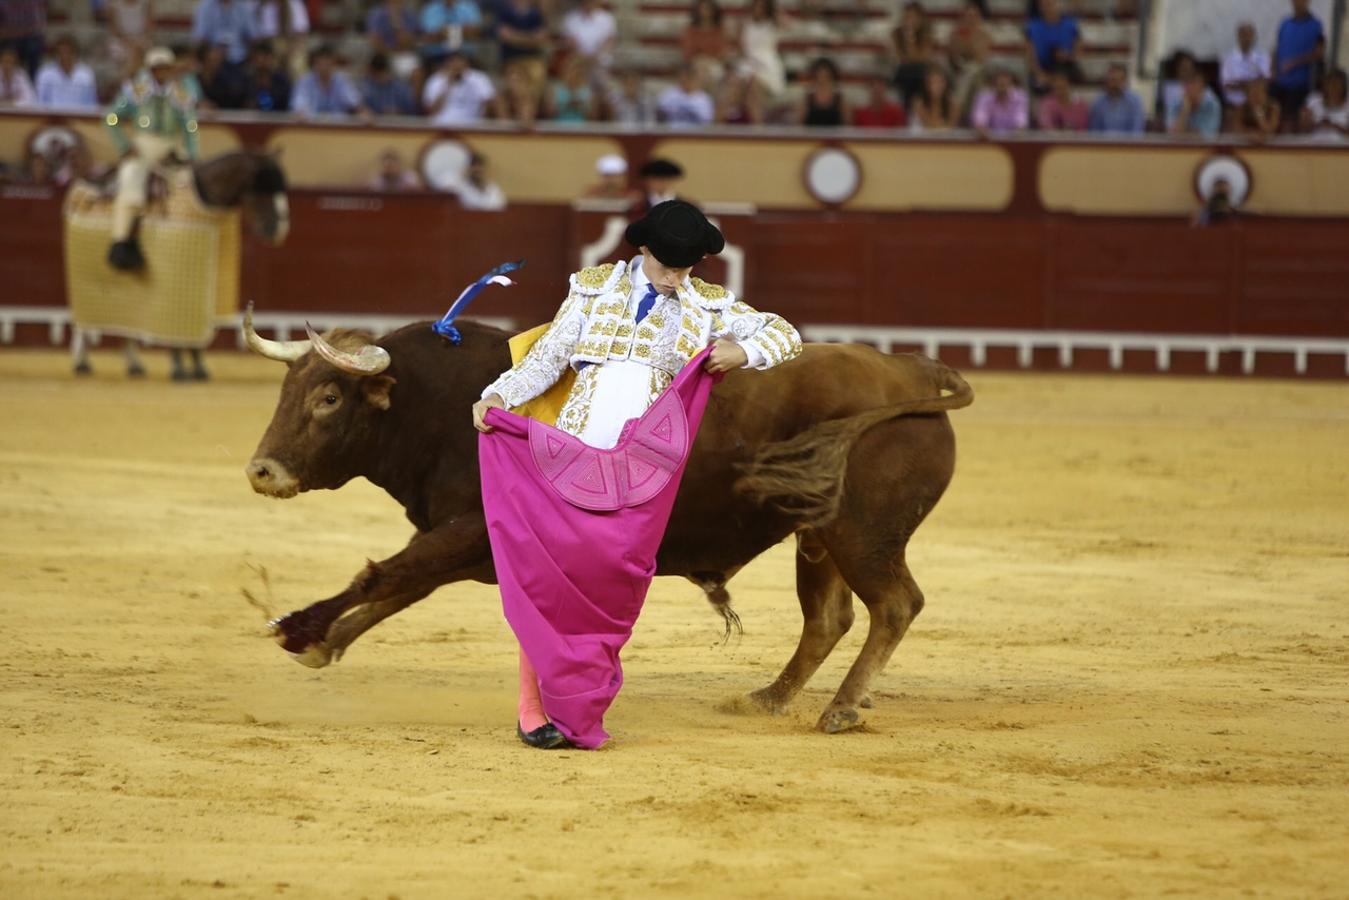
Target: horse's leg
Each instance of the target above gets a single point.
(826, 605)
(131, 350)
(79, 352)
(177, 372)
(199, 372)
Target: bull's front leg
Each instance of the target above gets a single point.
(456, 550)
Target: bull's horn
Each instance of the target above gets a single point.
(281, 351)
(369, 360)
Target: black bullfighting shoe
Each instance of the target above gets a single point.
(545, 737)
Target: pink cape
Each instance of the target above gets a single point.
(574, 533)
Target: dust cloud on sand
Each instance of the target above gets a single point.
(1131, 678)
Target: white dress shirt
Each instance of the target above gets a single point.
(1239, 66)
(70, 90)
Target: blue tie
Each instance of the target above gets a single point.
(646, 303)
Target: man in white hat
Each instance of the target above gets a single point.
(152, 117)
(613, 184)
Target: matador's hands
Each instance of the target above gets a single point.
(726, 355)
(491, 401)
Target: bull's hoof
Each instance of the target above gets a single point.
(304, 649)
(769, 701)
(837, 720)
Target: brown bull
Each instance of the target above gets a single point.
(844, 446)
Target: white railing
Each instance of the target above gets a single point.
(1025, 343)
(285, 325)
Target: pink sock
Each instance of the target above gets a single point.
(531, 705)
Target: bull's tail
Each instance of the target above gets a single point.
(804, 475)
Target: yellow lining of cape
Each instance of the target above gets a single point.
(547, 405)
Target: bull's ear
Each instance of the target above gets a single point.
(376, 388)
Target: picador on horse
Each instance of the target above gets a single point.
(153, 117)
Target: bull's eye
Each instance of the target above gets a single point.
(331, 399)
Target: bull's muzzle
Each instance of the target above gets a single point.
(271, 478)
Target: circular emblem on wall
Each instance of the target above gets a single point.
(1223, 167)
(832, 175)
(443, 163)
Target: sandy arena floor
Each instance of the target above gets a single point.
(1131, 679)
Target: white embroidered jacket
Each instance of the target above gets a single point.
(593, 325)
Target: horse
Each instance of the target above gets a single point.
(248, 180)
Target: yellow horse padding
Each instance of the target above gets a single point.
(190, 283)
(547, 405)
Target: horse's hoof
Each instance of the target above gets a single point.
(767, 700)
(83, 369)
(181, 375)
(135, 371)
(126, 255)
(866, 702)
(304, 650)
(837, 720)
(315, 656)
(201, 375)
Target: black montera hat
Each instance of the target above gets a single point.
(677, 233)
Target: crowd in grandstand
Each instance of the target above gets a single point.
(458, 62)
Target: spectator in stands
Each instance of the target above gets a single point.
(458, 94)
(1301, 46)
(684, 103)
(704, 44)
(613, 184)
(268, 85)
(590, 31)
(630, 103)
(1326, 113)
(189, 74)
(129, 23)
(1242, 64)
(915, 48)
(476, 190)
(23, 23)
(571, 98)
(759, 49)
(281, 18)
(1002, 106)
(393, 175)
(449, 25)
(286, 24)
(223, 86)
(967, 51)
(1054, 41)
(739, 99)
(823, 102)
(227, 22)
(16, 88)
(385, 95)
(1118, 110)
(393, 30)
(659, 177)
(881, 110)
(65, 81)
(1198, 111)
(1171, 87)
(934, 109)
(1258, 116)
(518, 101)
(1059, 110)
(326, 91)
(523, 37)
